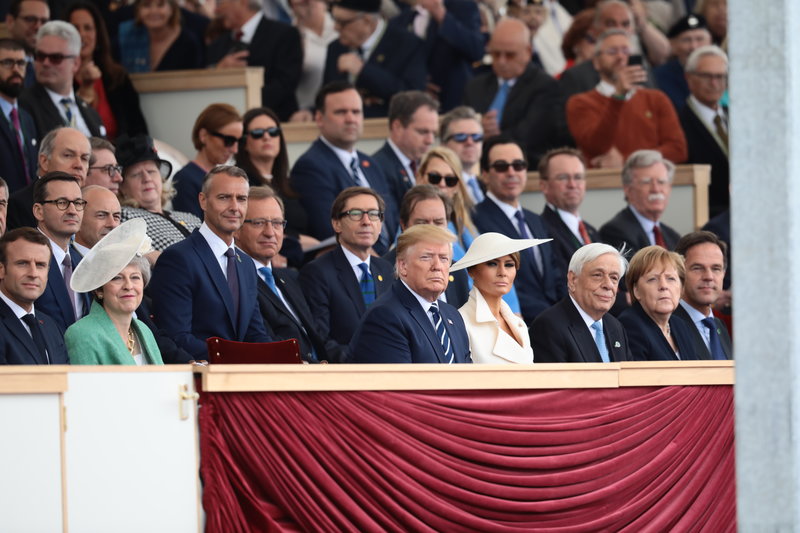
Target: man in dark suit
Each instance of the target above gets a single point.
(413, 122)
(332, 164)
(18, 136)
(203, 286)
(283, 306)
(517, 98)
(562, 178)
(579, 328)
(27, 336)
(256, 41)
(705, 121)
(52, 101)
(504, 172)
(450, 30)
(342, 284)
(705, 259)
(409, 324)
(379, 60)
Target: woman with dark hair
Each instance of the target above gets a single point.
(102, 82)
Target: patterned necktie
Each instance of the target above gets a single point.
(233, 282)
(583, 232)
(367, 285)
(534, 252)
(441, 332)
(36, 334)
(714, 344)
(269, 278)
(67, 264)
(722, 133)
(354, 171)
(67, 103)
(499, 102)
(659, 237)
(600, 341)
(14, 115)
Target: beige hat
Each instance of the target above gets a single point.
(111, 255)
(490, 246)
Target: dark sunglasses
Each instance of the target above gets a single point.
(227, 140)
(462, 137)
(55, 59)
(274, 131)
(434, 178)
(502, 166)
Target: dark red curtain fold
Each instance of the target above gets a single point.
(628, 459)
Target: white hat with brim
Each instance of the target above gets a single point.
(490, 246)
(111, 255)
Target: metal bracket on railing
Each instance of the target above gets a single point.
(184, 395)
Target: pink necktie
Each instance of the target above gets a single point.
(18, 133)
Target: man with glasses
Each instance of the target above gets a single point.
(52, 100)
(342, 284)
(103, 167)
(23, 20)
(461, 131)
(505, 174)
(413, 123)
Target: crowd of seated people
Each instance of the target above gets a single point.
(545, 287)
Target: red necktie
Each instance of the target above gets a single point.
(583, 232)
(659, 237)
(18, 132)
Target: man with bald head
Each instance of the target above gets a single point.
(517, 98)
(102, 214)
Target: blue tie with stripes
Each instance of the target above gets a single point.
(441, 332)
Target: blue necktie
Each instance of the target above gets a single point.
(499, 101)
(534, 253)
(266, 272)
(233, 282)
(67, 103)
(367, 285)
(475, 187)
(714, 344)
(354, 171)
(441, 332)
(600, 341)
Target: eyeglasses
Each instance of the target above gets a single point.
(257, 133)
(62, 203)
(357, 214)
(616, 50)
(111, 170)
(502, 166)
(55, 59)
(32, 19)
(11, 63)
(434, 178)
(227, 140)
(462, 137)
(261, 223)
(708, 76)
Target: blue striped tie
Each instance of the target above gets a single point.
(441, 332)
(600, 341)
(367, 285)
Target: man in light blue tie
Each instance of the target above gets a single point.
(461, 131)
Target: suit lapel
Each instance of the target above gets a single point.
(348, 280)
(334, 164)
(48, 107)
(424, 323)
(211, 265)
(85, 297)
(632, 221)
(55, 284)
(15, 327)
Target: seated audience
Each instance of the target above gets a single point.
(579, 328)
(316, 29)
(716, 14)
(409, 324)
(686, 35)
(115, 272)
(101, 215)
(102, 82)
(215, 135)
(342, 284)
(578, 42)
(461, 131)
(617, 117)
(28, 336)
(103, 168)
(156, 40)
(655, 279)
(144, 194)
(496, 334)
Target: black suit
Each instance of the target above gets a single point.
(721, 226)
(648, 342)
(559, 335)
(37, 102)
(699, 344)
(705, 149)
(12, 167)
(457, 291)
(396, 174)
(565, 243)
(17, 346)
(276, 47)
(20, 208)
(625, 229)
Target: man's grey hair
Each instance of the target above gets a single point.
(605, 35)
(708, 50)
(588, 253)
(229, 170)
(644, 159)
(48, 144)
(62, 30)
(600, 7)
(463, 112)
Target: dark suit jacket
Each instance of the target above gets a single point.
(124, 102)
(280, 321)
(705, 150)
(397, 330)
(171, 353)
(564, 241)
(334, 298)
(192, 301)
(54, 301)
(17, 346)
(37, 102)
(531, 116)
(559, 335)
(451, 47)
(318, 177)
(671, 79)
(394, 65)
(721, 226)
(276, 47)
(700, 348)
(396, 174)
(20, 208)
(647, 341)
(536, 292)
(625, 229)
(457, 292)
(12, 167)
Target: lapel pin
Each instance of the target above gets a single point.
(380, 278)
(365, 163)
(449, 321)
(616, 344)
(380, 58)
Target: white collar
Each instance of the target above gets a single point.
(571, 221)
(509, 210)
(248, 29)
(18, 311)
(353, 259)
(586, 318)
(217, 245)
(608, 90)
(424, 303)
(343, 155)
(706, 114)
(646, 223)
(694, 314)
(372, 40)
(400, 155)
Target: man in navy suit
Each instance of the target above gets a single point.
(413, 121)
(203, 286)
(409, 324)
(504, 172)
(332, 164)
(27, 335)
(342, 284)
(579, 328)
(283, 306)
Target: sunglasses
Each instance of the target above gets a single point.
(462, 137)
(434, 178)
(55, 59)
(274, 131)
(502, 166)
(227, 140)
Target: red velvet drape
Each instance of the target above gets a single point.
(628, 459)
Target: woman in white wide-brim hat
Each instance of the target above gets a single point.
(115, 271)
(496, 334)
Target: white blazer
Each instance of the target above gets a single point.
(490, 344)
